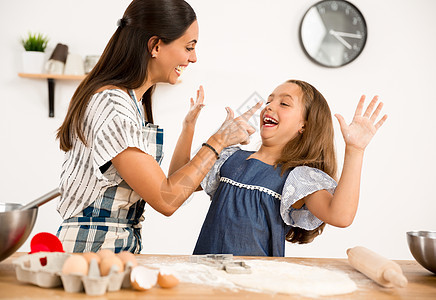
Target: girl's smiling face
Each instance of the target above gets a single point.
(282, 119)
(170, 60)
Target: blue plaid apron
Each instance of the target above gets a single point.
(103, 226)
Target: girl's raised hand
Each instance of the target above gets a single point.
(195, 108)
(363, 127)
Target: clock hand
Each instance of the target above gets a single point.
(347, 34)
(340, 39)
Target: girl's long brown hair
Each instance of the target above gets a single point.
(314, 147)
(125, 59)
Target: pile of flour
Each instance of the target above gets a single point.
(267, 276)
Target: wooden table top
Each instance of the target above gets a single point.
(422, 284)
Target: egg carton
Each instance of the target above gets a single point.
(44, 269)
(41, 268)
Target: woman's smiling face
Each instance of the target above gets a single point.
(170, 60)
(282, 118)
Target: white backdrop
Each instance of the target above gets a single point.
(244, 47)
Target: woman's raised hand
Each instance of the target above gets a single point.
(363, 127)
(195, 108)
(237, 130)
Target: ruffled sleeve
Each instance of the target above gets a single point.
(303, 181)
(211, 181)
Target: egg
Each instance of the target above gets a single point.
(107, 263)
(103, 253)
(167, 280)
(91, 255)
(126, 257)
(142, 278)
(75, 264)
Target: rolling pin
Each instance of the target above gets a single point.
(382, 270)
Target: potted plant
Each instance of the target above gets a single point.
(33, 57)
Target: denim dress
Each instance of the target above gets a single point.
(251, 210)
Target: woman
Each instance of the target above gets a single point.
(113, 149)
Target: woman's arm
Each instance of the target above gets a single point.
(182, 151)
(166, 194)
(340, 209)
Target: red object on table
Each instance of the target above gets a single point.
(45, 242)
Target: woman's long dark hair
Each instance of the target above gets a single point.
(125, 59)
(313, 148)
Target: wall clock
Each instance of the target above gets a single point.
(333, 33)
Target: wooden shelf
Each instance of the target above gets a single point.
(52, 76)
(51, 85)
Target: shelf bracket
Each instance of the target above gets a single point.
(51, 86)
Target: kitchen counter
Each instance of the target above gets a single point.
(422, 284)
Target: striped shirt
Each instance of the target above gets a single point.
(112, 123)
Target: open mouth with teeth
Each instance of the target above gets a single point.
(269, 122)
(179, 69)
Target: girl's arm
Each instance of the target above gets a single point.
(182, 152)
(340, 209)
(165, 194)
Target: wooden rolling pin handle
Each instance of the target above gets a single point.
(395, 278)
(383, 271)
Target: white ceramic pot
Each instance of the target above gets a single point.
(74, 65)
(33, 62)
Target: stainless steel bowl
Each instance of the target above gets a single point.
(17, 221)
(422, 245)
(15, 227)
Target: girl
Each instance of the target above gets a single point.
(286, 190)
(113, 149)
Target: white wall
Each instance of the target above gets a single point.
(244, 47)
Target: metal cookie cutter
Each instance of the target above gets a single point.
(222, 262)
(212, 260)
(237, 267)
